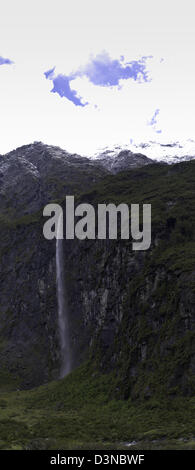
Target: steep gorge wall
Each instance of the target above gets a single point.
(134, 312)
(28, 313)
(138, 321)
(131, 313)
(127, 312)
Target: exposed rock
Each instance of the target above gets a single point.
(123, 160)
(132, 313)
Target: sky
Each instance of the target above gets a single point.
(85, 74)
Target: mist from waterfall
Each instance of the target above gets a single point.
(62, 304)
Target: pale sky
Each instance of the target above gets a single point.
(91, 44)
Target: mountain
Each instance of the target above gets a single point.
(131, 314)
(34, 174)
(31, 177)
(167, 152)
(121, 160)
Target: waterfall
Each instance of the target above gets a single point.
(62, 305)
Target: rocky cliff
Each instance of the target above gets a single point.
(130, 313)
(138, 307)
(30, 177)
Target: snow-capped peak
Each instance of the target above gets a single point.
(169, 152)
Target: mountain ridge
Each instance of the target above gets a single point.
(96, 272)
(131, 314)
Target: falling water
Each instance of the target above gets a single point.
(62, 305)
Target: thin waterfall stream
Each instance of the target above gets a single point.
(62, 305)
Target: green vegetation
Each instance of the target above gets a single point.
(81, 412)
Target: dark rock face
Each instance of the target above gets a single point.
(28, 333)
(30, 177)
(140, 322)
(35, 174)
(132, 313)
(136, 310)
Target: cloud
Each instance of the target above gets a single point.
(50, 73)
(5, 61)
(62, 86)
(104, 71)
(153, 121)
(101, 71)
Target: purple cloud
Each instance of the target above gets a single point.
(153, 121)
(61, 85)
(104, 71)
(5, 61)
(50, 73)
(101, 71)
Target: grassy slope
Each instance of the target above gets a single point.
(80, 412)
